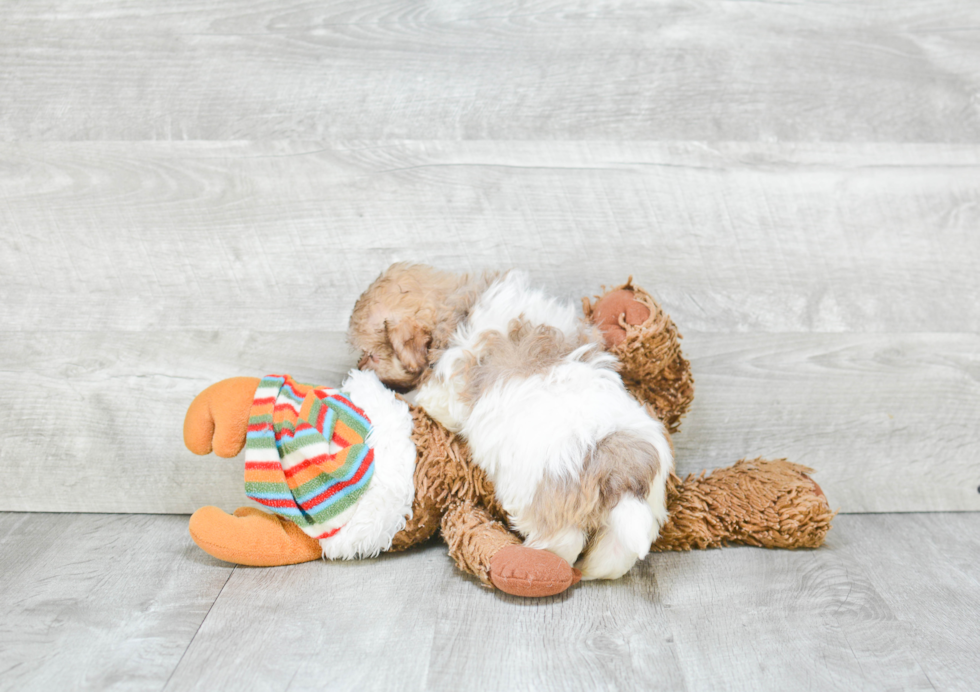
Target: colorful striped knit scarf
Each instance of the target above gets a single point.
(305, 454)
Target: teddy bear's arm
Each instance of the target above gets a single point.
(646, 341)
(452, 494)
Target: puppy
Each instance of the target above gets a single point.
(406, 317)
(579, 465)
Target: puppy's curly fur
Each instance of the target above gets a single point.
(404, 320)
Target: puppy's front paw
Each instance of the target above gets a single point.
(522, 571)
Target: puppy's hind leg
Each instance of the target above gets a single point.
(630, 468)
(621, 541)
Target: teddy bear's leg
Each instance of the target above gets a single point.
(645, 339)
(421, 526)
(485, 548)
(770, 504)
(474, 537)
(217, 419)
(252, 537)
(455, 495)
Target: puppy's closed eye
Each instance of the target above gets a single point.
(410, 341)
(368, 361)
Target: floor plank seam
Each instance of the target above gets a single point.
(926, 674)
(199, 626)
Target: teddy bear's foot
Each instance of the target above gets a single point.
(522, 571)
(482, 546)
(252, 537)
(765, 503)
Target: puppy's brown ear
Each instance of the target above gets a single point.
(410, 341)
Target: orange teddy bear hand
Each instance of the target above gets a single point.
(217, 419)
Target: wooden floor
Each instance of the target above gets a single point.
(94, 601)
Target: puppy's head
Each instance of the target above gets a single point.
(395, 319)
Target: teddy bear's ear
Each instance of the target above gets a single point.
(410, 341)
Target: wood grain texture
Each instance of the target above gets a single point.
(827, 285)
(798, 183)
(843, 616)
(877, 70)
(928, 580)
(95, 601)
(867, 611)
(283, 236)
(105, 412)
(99, 602)
(363, 624)
(887, 420)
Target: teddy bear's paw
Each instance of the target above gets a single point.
(217, 419)
(251, 537)
(522, 571)
(615, 308)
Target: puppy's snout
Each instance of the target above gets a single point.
(368, 361)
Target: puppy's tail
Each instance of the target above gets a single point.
(631, 471)
(631, 523)
(622, 540)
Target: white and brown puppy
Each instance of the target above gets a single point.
(579, 465)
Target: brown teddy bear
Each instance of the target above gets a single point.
(764, 503)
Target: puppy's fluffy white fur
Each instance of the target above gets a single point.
(579, 465)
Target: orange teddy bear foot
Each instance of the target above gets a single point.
(252, 537)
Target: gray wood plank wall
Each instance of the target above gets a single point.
(193, 192)
(705, 70)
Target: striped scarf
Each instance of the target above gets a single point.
(305, 454)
